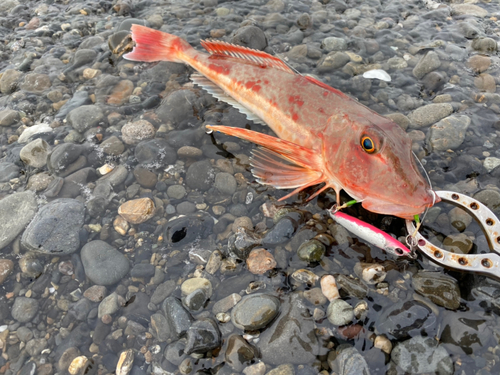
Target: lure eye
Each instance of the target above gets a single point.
(399, 251)
(368, 145)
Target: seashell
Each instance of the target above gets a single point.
(125, 362)
(80, 365)
(329, 287)
(137, 211)
(360, 309)
(378, 74)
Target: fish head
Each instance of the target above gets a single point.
(372, 160)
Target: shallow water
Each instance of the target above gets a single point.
(70, 104)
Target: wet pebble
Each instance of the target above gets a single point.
(56, 228)
(422, 355)
(260, 261)
(255, 311)
(370, 273)
(406, 319)
(429, 62)
(24, 309)
(225, 183)
(190, 285)
(449, 133)
(290, 338)
(8, 117)
(458, 243)
(479, 63)
(339, 312)
(137, 131)
(103, 264)
(35, 153)
(251, 37)
(202, 336)
(346, 360)
(329, 287)
(225, 304)
(441, 289)
(429, 114)
(6, 268)
(95, 293)
(490, 198)
(311, 251)
(239, 353)
(137, 211)
(200, 175)
(16, 211)
(178, 318)
(85, 117)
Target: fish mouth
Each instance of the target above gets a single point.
(405, 210)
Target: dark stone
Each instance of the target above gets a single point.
(143, 270)
(280, 233)
(178, 318)
(239, 353)
(200, 175)
(406, 319)
(103, 264)
(186, 229)
(55, 228)
(251, 37)
(8, 171)
(202, 336)
(155, 153)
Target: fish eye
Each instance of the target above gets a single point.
(368, 144)
(399, 251)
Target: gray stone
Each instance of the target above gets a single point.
(490, 198)
(332, 43)
(239, 353)
(185, 208)
(8, 171)
(468, 10)
(346, 360)
(449, 133)
(291, 337)
(422, 355)
(225, 183)
(202, 336)
(176, 191)
(226, 303)
(255, 311)
(103, 264)
(429, 62)
(441, 289)
(62, 157)
(200, 175)
(332, 61)
(16, 211)
(8, 117)
(251, 37)
(109, 305)
(160, 327)
(33, 130)
(85, 117)
(163, 291)
(36, 83)
(178, 318)
(24, 309)
(180, 109)
(137, 131)
(9, 81)
(339, 312)
(55, 228)
(113, 146)
(486, 45)
(35, 153)
(429, 114)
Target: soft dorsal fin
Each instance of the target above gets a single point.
(216, 47)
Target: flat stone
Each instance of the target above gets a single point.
(137, 211)
(6, 268)
(9, 81)
(35, 153)
(290, 338)
(103, 264)
(422, 355)
(190, 285)
(16, 211)
(24, 309)
(8, 117)
(255, 311)
(429, 62)
(135, 132)
(85, 117)
(441, 289)
(429, 114)
(449, 133)
(468, 10)
(36, 83)
(55, 228)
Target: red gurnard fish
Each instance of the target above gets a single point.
(326, 136)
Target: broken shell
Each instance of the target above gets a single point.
(223, 317)
(329, 287)
(305, 276)
(370, 273)
(383, 343)
(80, 365)
(360, 310)
(105, 169)
(125, 362)
(137, 211)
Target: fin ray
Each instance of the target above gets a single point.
(217, 47)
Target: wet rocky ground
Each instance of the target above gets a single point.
(132, 241)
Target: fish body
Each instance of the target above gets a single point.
(324, 135)
(371, 234)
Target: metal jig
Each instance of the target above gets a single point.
(484, 263)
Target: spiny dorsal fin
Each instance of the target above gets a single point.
(216, 47)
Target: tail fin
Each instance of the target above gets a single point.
(154, 45)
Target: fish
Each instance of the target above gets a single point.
(371, 234)
(324, 136)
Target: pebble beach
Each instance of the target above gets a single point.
(134, 242)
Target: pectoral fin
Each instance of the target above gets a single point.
(280, 163)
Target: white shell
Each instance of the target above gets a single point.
(378, 74)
